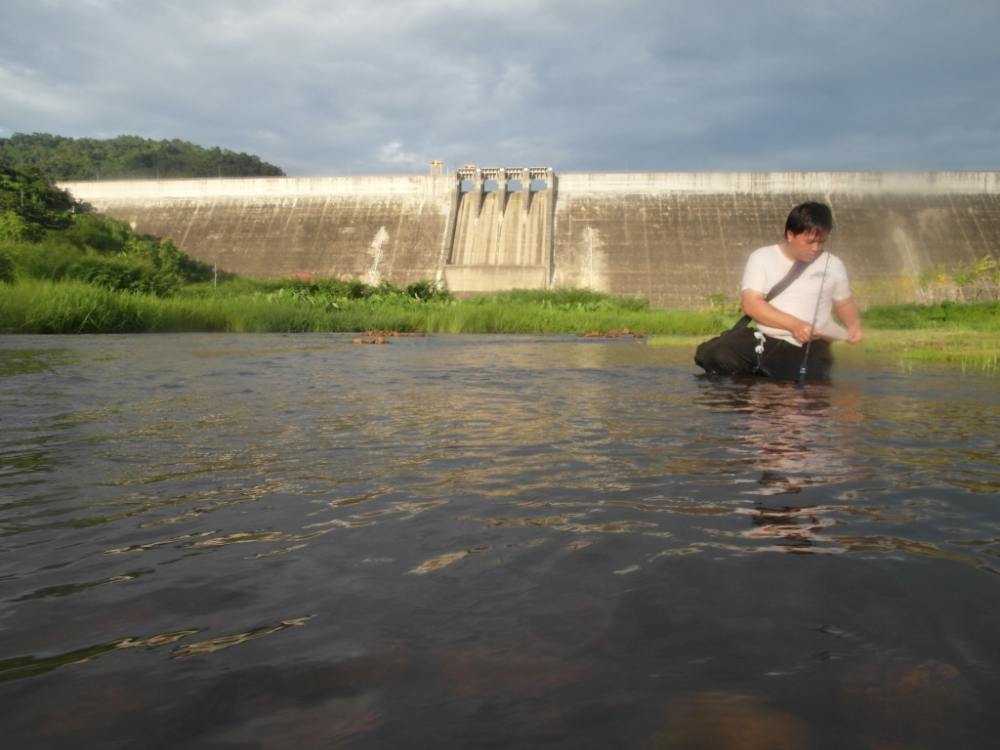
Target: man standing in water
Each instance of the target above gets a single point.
(795, 324)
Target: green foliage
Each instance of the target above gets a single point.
(291, 305)
(32, 197)
(971, 316)
(426, 291)
(330, 293)
(563, 299)
(110, 301)
(98, 233)
(7, 274)
(124, 273)
(43, 239)
(40, 306)
(15, 227)
(50, 258)
(126, 156)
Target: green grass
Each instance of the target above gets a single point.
(45, 306)
(967, 349)
(978, 316)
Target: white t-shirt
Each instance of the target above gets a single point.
(825, 279)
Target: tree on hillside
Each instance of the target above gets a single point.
(45, 234)
(128, 157)
(28, 194)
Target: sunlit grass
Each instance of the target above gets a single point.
(968, 350)
(42, 306)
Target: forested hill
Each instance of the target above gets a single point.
(126, 157)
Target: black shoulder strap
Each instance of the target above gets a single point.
(793, 273)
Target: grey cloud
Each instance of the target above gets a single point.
(352, 86)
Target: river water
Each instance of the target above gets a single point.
(268, 541)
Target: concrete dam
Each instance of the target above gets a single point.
(677, 239)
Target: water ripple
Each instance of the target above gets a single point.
(592, 524)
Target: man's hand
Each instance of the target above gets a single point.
(764, 312)
(848, 313)
(802, 331)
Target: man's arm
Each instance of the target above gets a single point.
(849, 315)
(764, 312)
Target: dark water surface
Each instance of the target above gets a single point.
(266, 541)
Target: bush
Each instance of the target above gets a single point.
(426, 291)
(49, 259)
(124, 273)
(7, 274)
(16, 228)
(98, 233)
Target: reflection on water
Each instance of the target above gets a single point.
(253, 541)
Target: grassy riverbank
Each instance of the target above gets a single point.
(43, 306)
(964, 334)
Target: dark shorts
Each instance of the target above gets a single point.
(732, 353)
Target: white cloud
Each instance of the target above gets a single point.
(392, 153)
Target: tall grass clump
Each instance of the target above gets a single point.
(43, 306)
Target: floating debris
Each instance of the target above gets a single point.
(614, 333)
(442, 561)
(627, 570)
(228, 641)
(392, 334)
(377, 336)
(370, 340)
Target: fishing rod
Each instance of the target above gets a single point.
(800, 381)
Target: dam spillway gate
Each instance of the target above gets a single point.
(502, 229)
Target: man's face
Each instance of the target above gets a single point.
(807, 245)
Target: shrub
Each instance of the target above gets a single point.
(16, 228)
(426, 291)
(98, 233)
(7, 274)
(124, 273)
(49, 259)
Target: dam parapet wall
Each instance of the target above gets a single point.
(797, 183)
(677, 239)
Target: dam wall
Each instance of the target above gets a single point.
(366, 228)
(677, 239)
(680, 238)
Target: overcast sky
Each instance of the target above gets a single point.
(383, 86)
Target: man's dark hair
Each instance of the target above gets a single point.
(809, 217)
